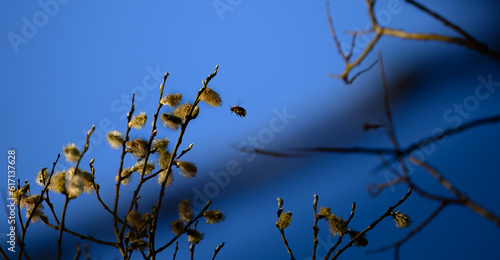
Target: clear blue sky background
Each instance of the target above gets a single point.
(77, 64)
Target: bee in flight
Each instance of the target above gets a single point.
(239, 111)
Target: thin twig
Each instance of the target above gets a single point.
(176, 248)
(189, 117)
(415, 146)
(339, 240)
(185, 229)
(315, 226)
(467, 41)
(150, 143)
(470, 42)
(38, 203)
(372, 225)
(217, 249)
(288, 249)
(334, 35)
(66, 195)
(88, 238)
(120, 178)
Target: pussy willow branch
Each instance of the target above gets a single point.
(51, 207)
(18, 204)
(172, 157)
(66, 195)
(339, 240)
(372, 225)
(461, 199)
(141, 181)
(120, 178)
(35, 207)
(288, 249)
(185, 229)
(18, 239)
(467, 41)
(193, 245)
(315, 226)
(398, 244)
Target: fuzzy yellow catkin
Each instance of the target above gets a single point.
(58, 182)
(42, 177)
(160, 143)
(211, 97)
(177, 227)
(183, 110)
(337, 225)
(324, 212)
(185, 212)
(163, 175)
(138, 121)
(87, 178)
(38, 215)
(401, 220)
(360, 241)
(71, 152)
(213, 216)
(171, 121)
(284, 220)
(28, 202)
(115, 139)
(188, 169)
(171, 100)
(137, 147)
(134, 218)
(163, 158)
(126, 175)
(139, 166)
(194, 237)
(138, 244)
(75, 186)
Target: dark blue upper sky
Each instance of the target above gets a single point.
(68, 65)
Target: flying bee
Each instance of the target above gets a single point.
(239, 111)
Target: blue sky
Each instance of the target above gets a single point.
(68, 65)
